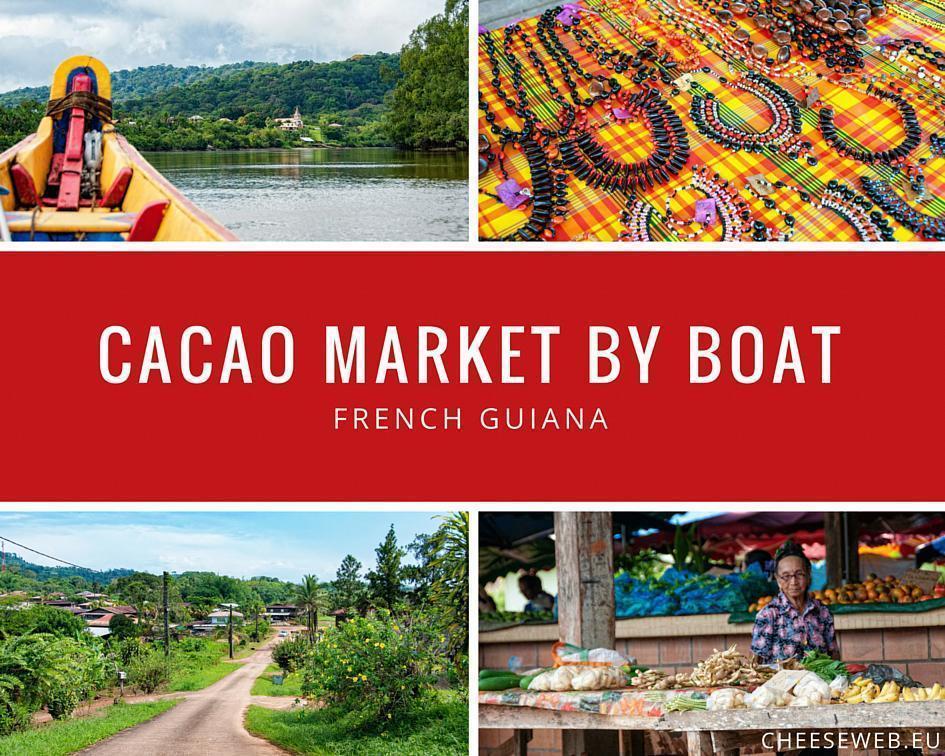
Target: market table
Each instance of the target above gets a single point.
(725, 732)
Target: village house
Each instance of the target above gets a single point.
(221, 618)
(281, 612)
(100, 626)
(294, 123)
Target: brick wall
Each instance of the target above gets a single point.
(920, 652)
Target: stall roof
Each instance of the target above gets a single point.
(507, 530)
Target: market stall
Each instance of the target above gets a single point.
(908, 638)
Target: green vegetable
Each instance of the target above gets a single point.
(500, 683)
(527, 680)
(484, 673)
(824, 666)
(685, 703)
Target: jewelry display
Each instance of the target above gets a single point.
(642, 120)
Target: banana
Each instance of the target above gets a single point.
(907, 694)
(920, 694)
(860, 682)
(855, 699)
(936, 690)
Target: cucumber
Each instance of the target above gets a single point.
(486, 673)
(500, 683)
(527, 680)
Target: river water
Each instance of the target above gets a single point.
(370, 194)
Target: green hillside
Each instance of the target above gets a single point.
(276, 90)
(17, 566)
(415, 99)
(138, 82)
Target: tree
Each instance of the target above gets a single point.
(253, 608)
(121, 626)
(449, 592)
(428, 107)
(385, 582)
(40, 620)
(310, 596)
(348, 587)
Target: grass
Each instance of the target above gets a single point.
(197, 669)
(291, 685)
(71, 735)
(198, 679)
(439, 727)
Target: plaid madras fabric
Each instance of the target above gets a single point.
(865, 121)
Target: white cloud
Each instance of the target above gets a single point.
(131, 33)
(155, 548)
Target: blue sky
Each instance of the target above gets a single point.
(36, 35)
(241, 544)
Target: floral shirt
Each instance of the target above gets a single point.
(782, 632)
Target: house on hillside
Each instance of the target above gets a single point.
(89, 596)
(100, 626)
(195, 118)
(282, 612)
(128, 611)
(294, 123)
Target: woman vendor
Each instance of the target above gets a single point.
(794, 622)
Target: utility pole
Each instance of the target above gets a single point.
(230, 628)
(167, 629)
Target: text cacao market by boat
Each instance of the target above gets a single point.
(78, 179)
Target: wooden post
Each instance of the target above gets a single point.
(584, 553)
(841, 538)
(167, 628)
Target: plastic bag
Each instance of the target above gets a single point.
(565, 653)
(558, 679)
(726, 698)
(598, 678)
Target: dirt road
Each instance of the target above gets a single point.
(207, 722)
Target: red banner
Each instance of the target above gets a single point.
(873, 432)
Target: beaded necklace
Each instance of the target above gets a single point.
(926, 226)
(519, 106)
(548, 194)
(904, 11)
(843, 200)
(732, 211)
(733, 45)
(783, 133)
(599, 87)
(592, 164)
(891, 156)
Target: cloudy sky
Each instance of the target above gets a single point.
(36, 35)
(241, 544)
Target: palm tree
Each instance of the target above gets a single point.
(309, 596)
(449, 592)
(253, 608)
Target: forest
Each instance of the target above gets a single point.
(414, 99)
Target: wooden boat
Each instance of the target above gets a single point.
(78, 179)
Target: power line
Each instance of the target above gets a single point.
(48, 556)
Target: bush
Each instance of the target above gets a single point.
(127, 650)
(291, 654)
(62, 703)
(148, 672)
(38, 620)
(14, 717)
(377, 667)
